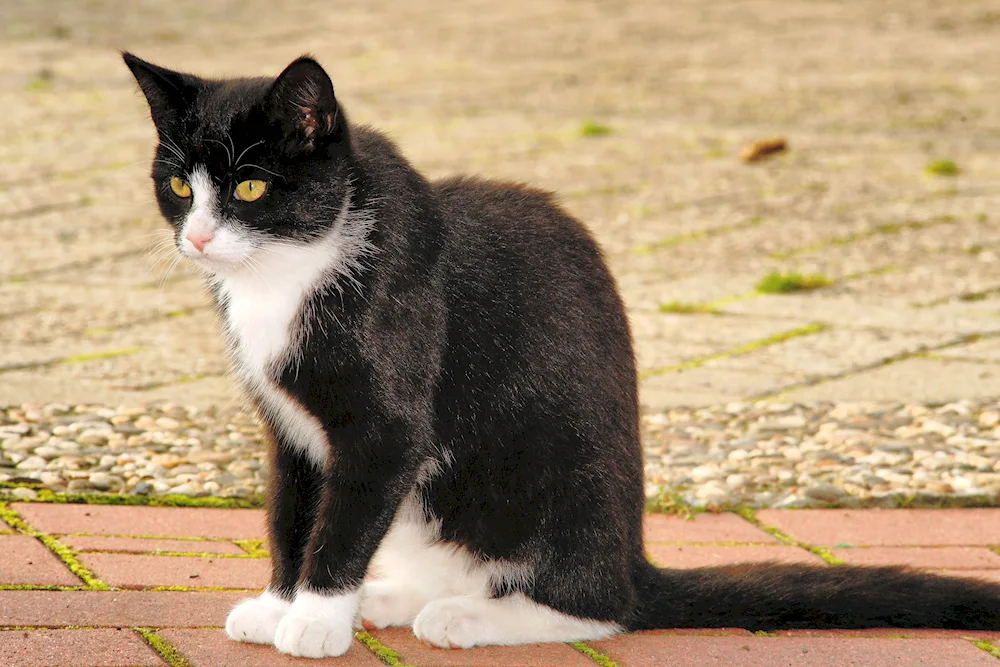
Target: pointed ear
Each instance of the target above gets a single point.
(302, 101)
(167, 92)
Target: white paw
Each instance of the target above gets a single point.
(385, 603)
(452, 623)
(311, 637)
(255, 620)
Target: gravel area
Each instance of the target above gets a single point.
(758, 455)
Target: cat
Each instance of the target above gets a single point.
(446, 374)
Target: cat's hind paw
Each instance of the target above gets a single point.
(452, 623)
(256, 620)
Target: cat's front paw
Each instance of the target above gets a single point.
(452, 623)
(385, 603)
(317, 625)
(256, 620)
(311, 637)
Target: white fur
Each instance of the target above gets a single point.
(317, 626)
(255, 620)
(464, 622)
(264, 285)
(443, 592)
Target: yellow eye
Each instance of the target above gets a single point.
(180, 188)
(251, 190)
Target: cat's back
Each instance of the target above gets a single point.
(513, 226)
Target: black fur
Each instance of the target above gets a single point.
(484, 334)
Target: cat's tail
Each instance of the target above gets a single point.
(772, 596)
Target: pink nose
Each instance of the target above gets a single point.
(199, 241)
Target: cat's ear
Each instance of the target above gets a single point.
(167, 92)
(302, 101)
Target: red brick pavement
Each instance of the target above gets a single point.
(136, 552)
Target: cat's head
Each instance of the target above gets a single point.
(246, 167)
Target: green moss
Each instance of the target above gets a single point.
(98, 356)
(594, 129)
(62, 552)
(47, 496)
(41, 82)
(685, 308)
(201, 589)
(698, 235)
(68, 556)
(169, 654)
(668, 502)
(942, 168)
(764, 633)
(738, 350)
(599, 658)
(988, 647)
(254, 548)
(381, 651)
(41, 587)
(786, 283)
(748, 515)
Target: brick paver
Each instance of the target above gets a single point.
(191, 621)
(140, 571)
(948, 527)
(143, 521)
(145, 546)
(414, 652)
(116, 608)
(925, 557)
(683, 556)
(209, 648)
(78, 648)
(657, 650)
(25, 560)
(703, 528)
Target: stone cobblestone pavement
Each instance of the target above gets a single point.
(92, 584)
(635, 111)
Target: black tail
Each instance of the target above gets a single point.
(771, 596)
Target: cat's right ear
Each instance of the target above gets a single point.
(167, 92)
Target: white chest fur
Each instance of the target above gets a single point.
(263, 310)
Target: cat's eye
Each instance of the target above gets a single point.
(250, 190)
(180, 188)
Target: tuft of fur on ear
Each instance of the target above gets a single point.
(302, 101)
(167, 92)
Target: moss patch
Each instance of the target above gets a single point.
(781, 337)
(698, 235)
(787, 283)
(748, 515)
(62, 552)
(685, 308)
(166, 651)
(597, 657)
(381, 651)
(942, 168)
(47, 496)
(254, 548)
(988, 647)
(592, 128)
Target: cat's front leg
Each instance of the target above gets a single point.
(295, 490)
(363, 489)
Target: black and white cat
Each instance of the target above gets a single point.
(446, 373)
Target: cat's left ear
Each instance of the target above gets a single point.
(302, 101)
